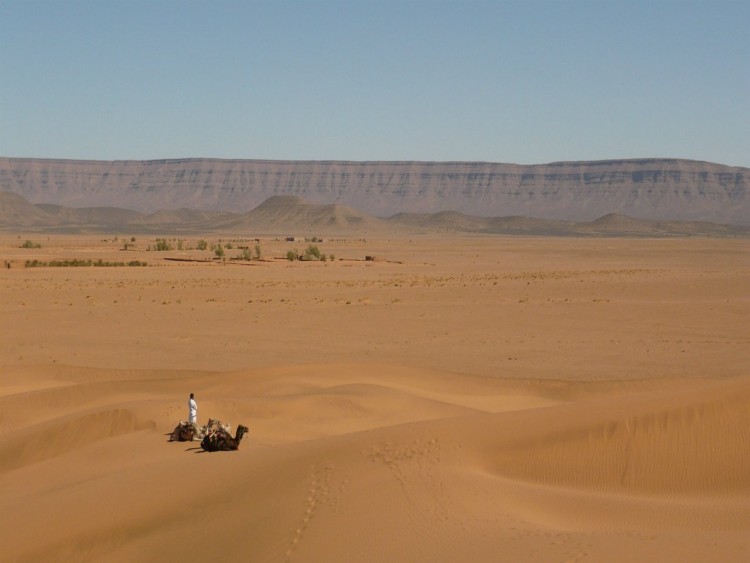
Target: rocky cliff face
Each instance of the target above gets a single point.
(648, 188)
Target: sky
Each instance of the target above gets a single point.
(525, 82)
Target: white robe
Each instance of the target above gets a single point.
(192, 411)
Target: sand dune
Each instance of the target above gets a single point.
(375, 469)
(566, 400)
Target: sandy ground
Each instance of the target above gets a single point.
(459, 399)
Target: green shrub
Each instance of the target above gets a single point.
(76, 263)
(202, 245)
(31, 244)
(163, 245)
(291, 255)
(312, 253)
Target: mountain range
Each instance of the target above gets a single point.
(284, 215)
(649, 189)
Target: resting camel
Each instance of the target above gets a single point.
(188, 431)
(183, 432)
(222, 441)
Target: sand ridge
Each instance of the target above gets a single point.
(471, 399)
(637, 459)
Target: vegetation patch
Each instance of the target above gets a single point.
(75, 263)
(312, 253)
(162, 245)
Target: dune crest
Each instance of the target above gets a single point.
(383, 439)
(668, 443)
(460, 399)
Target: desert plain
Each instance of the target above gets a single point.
(458, 398)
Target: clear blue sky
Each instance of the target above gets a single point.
(525, 82)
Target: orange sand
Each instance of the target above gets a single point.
(463, 399)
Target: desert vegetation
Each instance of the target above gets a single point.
(161, 245)
(312, 254)
(77, 263)
(246, 253)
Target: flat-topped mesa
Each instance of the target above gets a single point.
(658, 189)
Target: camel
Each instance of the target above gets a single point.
(189, 431)
(184, 432)
(221, 440)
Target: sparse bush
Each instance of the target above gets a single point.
(219, 251)
(312, 253)
(31, 244)
(76, 263)
(291, 255)
(163, 245)
(246, 254)
(180, 244)
(257, 251)
(202, 245)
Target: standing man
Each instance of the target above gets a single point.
(192, 410)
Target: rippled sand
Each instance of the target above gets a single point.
(457, 399)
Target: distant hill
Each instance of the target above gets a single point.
(183, 218)
(441, 221)
(89, 215)
(609, 225)
(280, 215)
(17, 212)
(653, 189)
